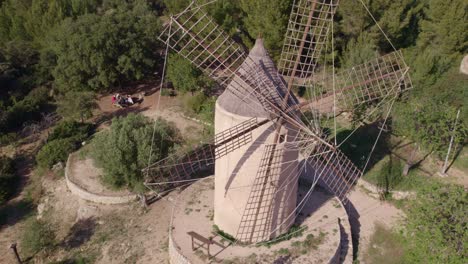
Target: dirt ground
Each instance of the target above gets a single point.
(105, 234)
(364, 213)
(168, 108)
(85, 174)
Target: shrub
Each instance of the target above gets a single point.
(194, 103)
(124, 150)
(55, 151)
(8, 178)
(63, 140)
(29, 108)
(435, 230)
(76, 105)
(390, 175)
(71, 129)
(201, 105)
(38, 235)
(8, 138)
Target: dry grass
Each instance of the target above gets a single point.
(384, 247)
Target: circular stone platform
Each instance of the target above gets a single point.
(325, 237)
(83, 180)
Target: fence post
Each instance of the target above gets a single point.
(444, 168)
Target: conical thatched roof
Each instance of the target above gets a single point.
(250, 106)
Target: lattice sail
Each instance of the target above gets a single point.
(309, 25)
(182, 166)
(334, 169)
(194, 35)
(256, 221)
(379, 79)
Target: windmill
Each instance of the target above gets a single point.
(261, 141)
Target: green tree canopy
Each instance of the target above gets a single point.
(444, 28)
(76, 105)
(429, 123)
(359, 51)
(436, 225)
(269, 19)
(124, 150)
(97, 52)
(183, 75)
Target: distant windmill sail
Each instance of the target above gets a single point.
(381, 78)
(306, 36)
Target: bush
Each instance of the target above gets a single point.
(435, 230)
(65, 139)
(194, 103)
(8, 138)
(8, 178)
(29, 108)
(76, 105)
(124, 150)
(71, 129)
(390, 175)
(201, 105)
(55, 151)
(38, 235)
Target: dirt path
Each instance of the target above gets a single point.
(111, 234)
(364, 212)
(168, 108)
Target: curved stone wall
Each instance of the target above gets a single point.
(84, 194)
(175, 257)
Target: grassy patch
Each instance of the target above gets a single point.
(294, 231)
(387, 175)
(310, 243)
(461, 162)
(37, 235)
(223, 234)
(385, 247)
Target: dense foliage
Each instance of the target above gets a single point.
(76, 105)
(70, 45)
(436, 225)
(96, 52)
(64, 139)
(8, 178)
(126, 148)
(183, 75)
(29, 108)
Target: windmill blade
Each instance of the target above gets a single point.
(195, 36)
(256, 220)
(379, 79)
(181, 167)
(334, 169)
(306, 35)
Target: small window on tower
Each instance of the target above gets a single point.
(282, 138)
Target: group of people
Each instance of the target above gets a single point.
(122, 100)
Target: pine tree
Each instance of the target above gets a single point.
(444, 27)
(269, 19)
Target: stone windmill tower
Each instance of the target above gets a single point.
(261, 136)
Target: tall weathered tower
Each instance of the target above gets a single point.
(254, 214)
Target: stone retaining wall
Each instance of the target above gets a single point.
(89, 196)
(175, 257)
